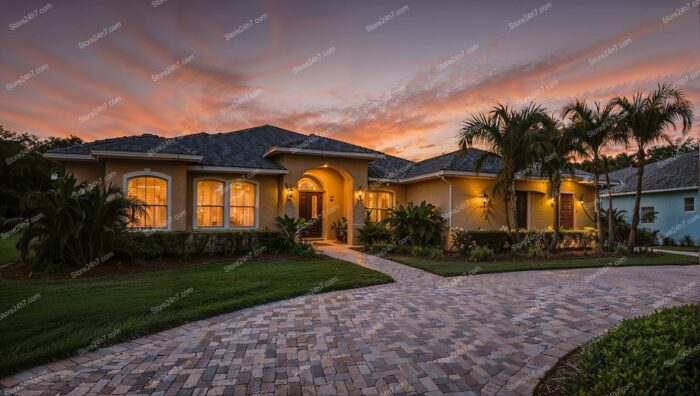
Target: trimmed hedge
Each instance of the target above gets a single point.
(183, 245)
(653, 354)
(501, 241)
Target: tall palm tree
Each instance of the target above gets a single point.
(607, 165)
(647, 119)
(595, 128)
(559, 162)
(516, 137)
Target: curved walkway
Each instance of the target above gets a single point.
(424, 334)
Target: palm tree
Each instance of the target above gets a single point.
(565, 146)
(647, 119)
(595, 128)
(515, 137)
(607, 165)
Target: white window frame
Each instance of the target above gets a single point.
(688, 211)
(227, 204)
(168, 180)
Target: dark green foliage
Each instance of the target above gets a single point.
(687, 241)
(502, 241)
(74, 224)
(374, 232)
(340, 227)
(291, 228)
(23, 169)
(182, 245)
(479, 254)
(420, 225)
(654, 354)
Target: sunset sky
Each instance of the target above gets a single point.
(401, 84)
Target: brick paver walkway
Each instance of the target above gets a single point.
(482, 334)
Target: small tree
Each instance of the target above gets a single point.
(420, 224)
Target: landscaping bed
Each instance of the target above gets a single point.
(43, 321)
(457, 266)
(653, 354)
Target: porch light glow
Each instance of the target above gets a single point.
(580, 200)
(484, 199)
(360, 195)
(551, 202)
(290, 193)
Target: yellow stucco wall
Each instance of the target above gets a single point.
(85, 171)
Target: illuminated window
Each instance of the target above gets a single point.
(648, 214)
(153, 194)
(210, 203)
(308, 184)
(242, 209)
(379, 204)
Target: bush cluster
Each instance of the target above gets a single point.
(654, 354)
(183, 245)
(530, 241)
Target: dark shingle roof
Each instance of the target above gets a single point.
(321, 143)
(389, 167)
(456, 161)
(675, 172)
(134, 144)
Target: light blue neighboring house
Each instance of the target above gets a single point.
(669, 188)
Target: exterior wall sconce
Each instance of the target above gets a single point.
(580, 200)
(290, 192)
(484, 200)
(360, 195)
(551, 202)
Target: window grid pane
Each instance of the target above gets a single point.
(379, 204)
(153, 193)
(210, 203)
(242, 209)
(689, 204)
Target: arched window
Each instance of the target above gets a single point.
(153, 193)
(379, 204)
(210, 203)
(308, 184)
(242, 207)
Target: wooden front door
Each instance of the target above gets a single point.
(566, 211)
(310, 209)
(522, 206)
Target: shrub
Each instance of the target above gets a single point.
(420, 225)
(381, 247)
(183, 245)
(437, 254)
(306, 250)
(75, 223)
(535, 252)
(668, 241)
(654, 354)
(417, 251)
(480, 253)
(373, 232)
(501, 242)
(620, 250)
(687, 241)
(646, 237)
(291, 228)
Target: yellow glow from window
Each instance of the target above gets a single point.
(153, 194)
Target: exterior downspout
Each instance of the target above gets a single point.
(449, 201)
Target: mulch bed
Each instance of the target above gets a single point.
(553, 381)
(25, 271)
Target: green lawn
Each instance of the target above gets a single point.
(8, 251)
(680, 248)
(69, 315)
(457, 268)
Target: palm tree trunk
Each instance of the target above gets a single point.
(514, 207)
(611, 224)
(505, 201)
(637, 202)
(599, 223)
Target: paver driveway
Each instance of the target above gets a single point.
(483, 334)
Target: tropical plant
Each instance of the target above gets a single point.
(619, 225)
(594, 128)
(516, 138)
(340, 227)
(291, 228)
(647, 118)
(76, 223)
(564, 147)
(420, 224)
(373, 232)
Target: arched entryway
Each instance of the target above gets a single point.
(311, 206)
